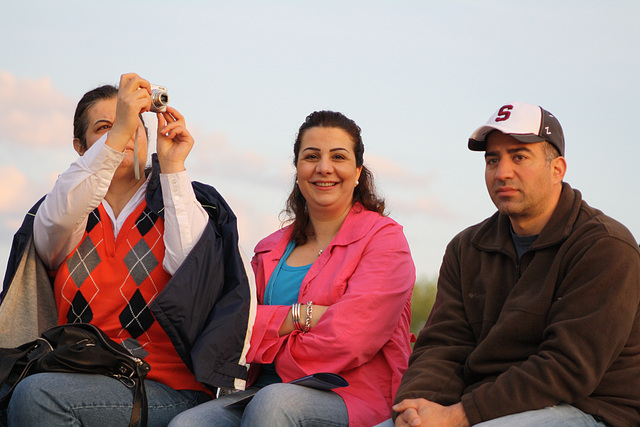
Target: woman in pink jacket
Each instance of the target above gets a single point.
(334, 292)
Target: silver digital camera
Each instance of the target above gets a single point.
(159, 99)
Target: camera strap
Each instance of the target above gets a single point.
(136, 165)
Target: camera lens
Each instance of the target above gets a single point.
(159, 99)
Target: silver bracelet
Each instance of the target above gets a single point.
(307, 321)
(295, 315)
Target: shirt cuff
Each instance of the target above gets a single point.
(180, 190)
(184, 221)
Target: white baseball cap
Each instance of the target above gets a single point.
(527, 123)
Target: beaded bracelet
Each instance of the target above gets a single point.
(307, 321)
(295, 316)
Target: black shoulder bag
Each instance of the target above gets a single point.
(80, 348)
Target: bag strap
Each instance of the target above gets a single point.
(139, 413)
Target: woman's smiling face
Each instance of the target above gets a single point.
(326, 170)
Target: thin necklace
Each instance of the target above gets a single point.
(322, 250)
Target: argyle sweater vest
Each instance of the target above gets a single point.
(110, 282)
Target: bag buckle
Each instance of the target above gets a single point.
(126, 376)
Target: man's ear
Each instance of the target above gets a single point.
(77, 145)
(559, 168)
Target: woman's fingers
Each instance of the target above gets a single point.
(172, 115)
(131, 82)
(171, 121)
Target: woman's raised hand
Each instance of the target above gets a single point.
(134, 97)
(174, 141)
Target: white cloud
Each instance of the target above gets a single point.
(422, 206)
(406, 191)
(213, 155)
(34, 112)
(392, 172)
(16, 196)
(254, 224)
(16, 189)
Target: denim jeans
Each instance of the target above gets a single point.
(562, 415)
(60, 399)
(274, 405)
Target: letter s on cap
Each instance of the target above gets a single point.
(504, 113)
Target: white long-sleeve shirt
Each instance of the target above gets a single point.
(62, 218)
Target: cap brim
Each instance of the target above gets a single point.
(478, 140)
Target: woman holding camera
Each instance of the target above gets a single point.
(129, 253)
(334, 295)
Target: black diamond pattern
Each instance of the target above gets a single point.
(136, 317)
(145, 221)
(80, 311)
(93, 220)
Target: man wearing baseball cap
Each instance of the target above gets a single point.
(536, 318)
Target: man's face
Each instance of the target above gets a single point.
(521, 182)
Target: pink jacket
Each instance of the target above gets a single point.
(365, 276)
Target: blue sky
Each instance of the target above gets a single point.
(417, 76)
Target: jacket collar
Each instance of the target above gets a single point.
(495, 233)
(154, 192)
(355, 226)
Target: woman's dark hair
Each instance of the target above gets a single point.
(364, 192)
(88, 100)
